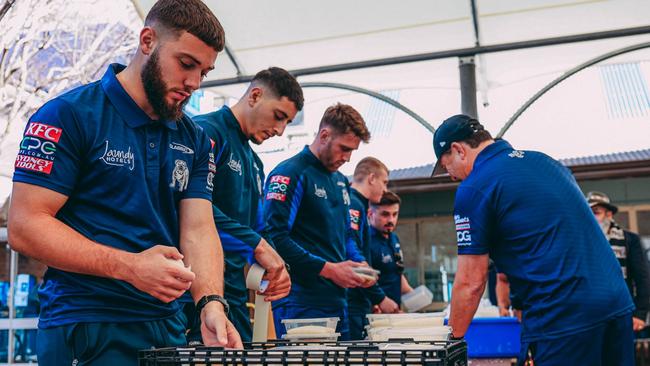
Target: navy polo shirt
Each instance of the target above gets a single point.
(237, 197)
(124, 175)
(386, 257)
(306, 215)
(526, 211)
(361, 299)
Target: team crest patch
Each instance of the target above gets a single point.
(355, 219)
(463, 231)
(278, 187)
(180, 175)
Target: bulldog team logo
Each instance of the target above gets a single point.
(180, 175)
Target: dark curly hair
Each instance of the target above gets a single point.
(343, 118)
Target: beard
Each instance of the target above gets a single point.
(605, 225)
(155, 89)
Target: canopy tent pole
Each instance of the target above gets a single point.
(462, 52)
(565, 76)
(391, 101)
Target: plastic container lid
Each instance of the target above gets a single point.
(417, 299)
(311, 325)
(406, 320)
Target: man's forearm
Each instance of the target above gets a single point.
(464, 302)
(53, 243)
(203, 252)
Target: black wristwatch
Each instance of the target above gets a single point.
(206, 299)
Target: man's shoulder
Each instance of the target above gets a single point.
(79, 98)
(294, 165)
(213, 123)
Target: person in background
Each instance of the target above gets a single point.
(306, 215)
(525, 211)
(369, 183)
(120, 216)
(629, 252)
(386, 252)
(270, 102)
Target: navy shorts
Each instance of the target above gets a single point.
(294, 311)
(107, 344)
(609, 344)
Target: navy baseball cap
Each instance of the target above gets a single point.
(453, 129)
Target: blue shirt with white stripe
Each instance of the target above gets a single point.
(306, 216)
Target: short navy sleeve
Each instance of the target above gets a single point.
(200, 183)
(50, 150)
(472, 216)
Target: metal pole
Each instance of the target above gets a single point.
(373, 94)
(462, 52)
(13, 272)
(565, 76)
(467, 70)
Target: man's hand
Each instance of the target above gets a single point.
(342, 273)
(388, 306)
(216, 329)
(637, 324)
(157, 272)
(276, 271)
(504, 311)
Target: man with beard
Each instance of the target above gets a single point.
(271, 101)
(386, 252)
(627, 248)
(525, 211)
(306, 216)
(110, 193)
(368, 184)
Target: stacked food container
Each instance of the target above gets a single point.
(416, 327)
(316, 329)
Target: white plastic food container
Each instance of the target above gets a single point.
(317, 326)
(417, 334)
(406, 320)
(417, 299)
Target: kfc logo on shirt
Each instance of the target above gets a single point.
(44, 131)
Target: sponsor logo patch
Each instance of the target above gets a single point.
(320, 192)
(516, 154)
(118, 157)
(463, 231)
(278, 187)
(34, 164)
(235, 165)
(182, 148)
(355, 218)
(44, 131)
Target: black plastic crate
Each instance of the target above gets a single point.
(281, 353)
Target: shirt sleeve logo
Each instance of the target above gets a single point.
(34, 164)
(355, 218)
(463, 231)
(278, 187)
(44, 131)
(38, 148)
